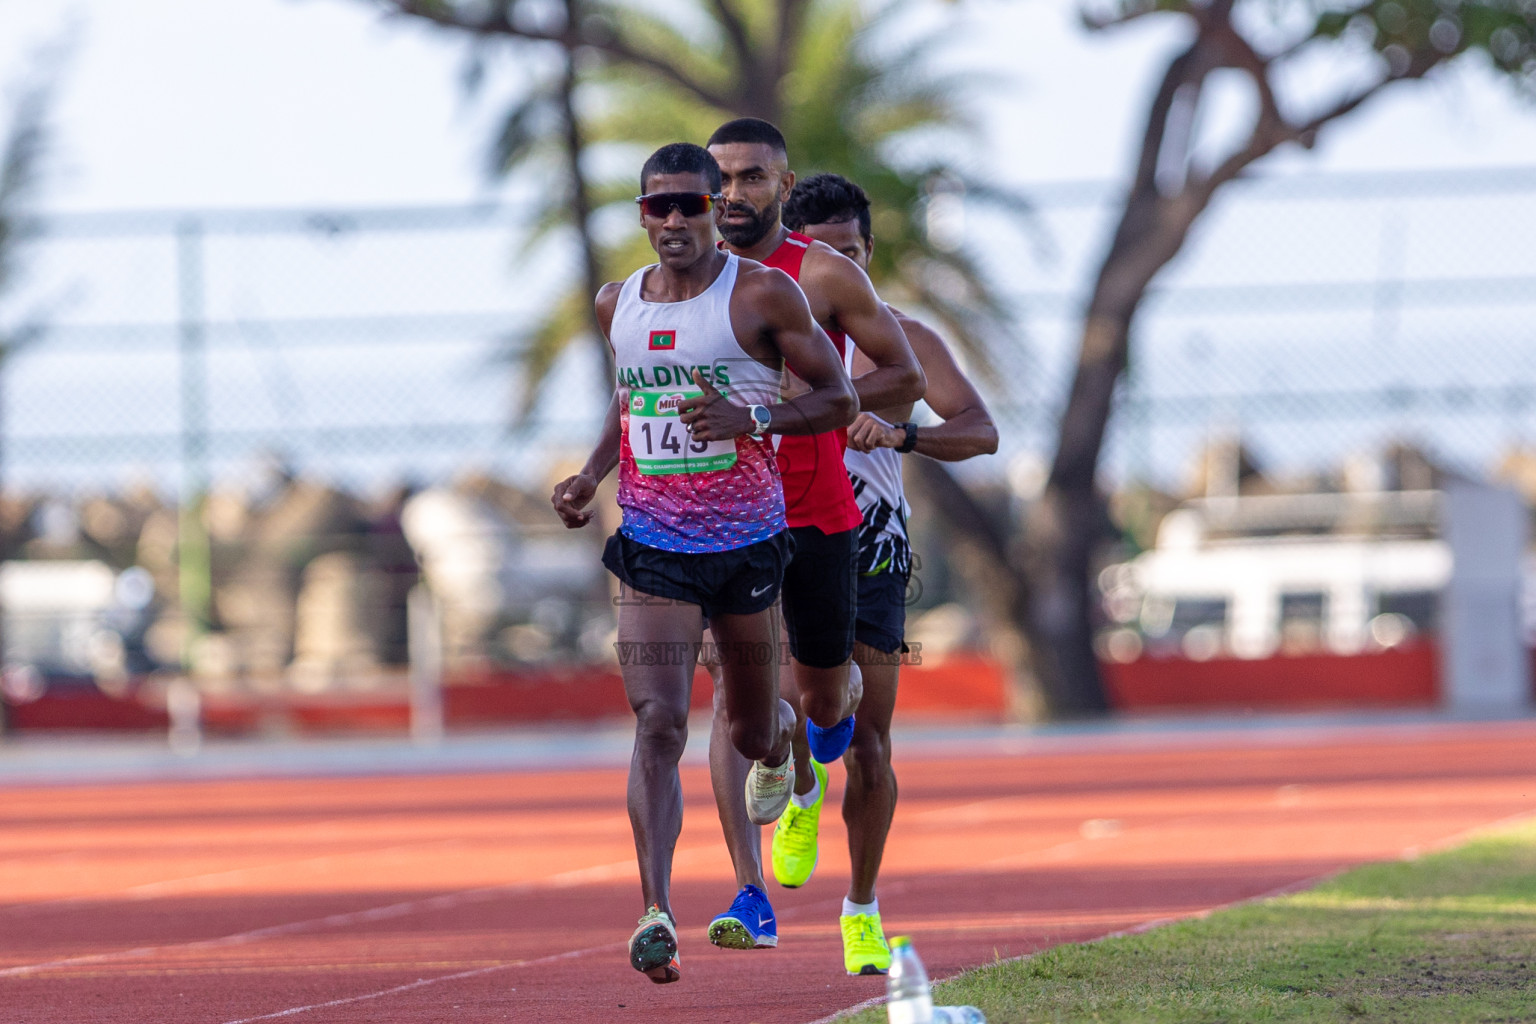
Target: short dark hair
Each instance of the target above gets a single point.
(752, 130)
(681, 158)
(827, 199)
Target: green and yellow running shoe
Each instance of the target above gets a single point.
(864, 947)
(653, 947)
(794, 837)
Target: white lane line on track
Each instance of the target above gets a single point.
(580, 876)
(424, 982)
(190, 884)
(570, 955)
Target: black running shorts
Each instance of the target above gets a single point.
(882, 615)
(819, 596)
(736, 582)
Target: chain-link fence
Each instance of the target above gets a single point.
(345, 388)
(1318, 319)
(359, 346)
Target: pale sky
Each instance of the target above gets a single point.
(250, 103)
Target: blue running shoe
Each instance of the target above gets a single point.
(827, 745)
(749, 924)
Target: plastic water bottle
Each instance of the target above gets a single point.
(908, 996)
(958, 1015)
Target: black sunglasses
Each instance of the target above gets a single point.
(689, 204)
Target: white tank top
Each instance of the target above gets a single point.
(877, 487)
(678, 494)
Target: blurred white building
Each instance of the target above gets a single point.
(1263, 576)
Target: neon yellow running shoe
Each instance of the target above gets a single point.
(864, 947)
(795, 850)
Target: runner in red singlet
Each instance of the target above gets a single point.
(819, 592)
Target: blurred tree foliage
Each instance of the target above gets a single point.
(22, 154)
(1343, 54)
(641, 77)
(849, 91)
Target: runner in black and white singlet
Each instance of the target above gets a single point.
(699, 342)
(836, 211)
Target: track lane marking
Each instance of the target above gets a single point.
(424, 982)
(579, 876)
(570, 955)
(190, 884)
(204, 881)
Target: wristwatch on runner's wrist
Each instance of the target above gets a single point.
(910, 440)
(760, 419)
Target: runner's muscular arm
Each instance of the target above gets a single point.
(771, 317)
(572, 494)
(967, 429)
(857, 311)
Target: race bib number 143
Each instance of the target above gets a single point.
(660, 441)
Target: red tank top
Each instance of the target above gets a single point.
(816, 487)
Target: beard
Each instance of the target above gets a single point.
(746, 234)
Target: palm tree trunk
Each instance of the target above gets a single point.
(581, 196)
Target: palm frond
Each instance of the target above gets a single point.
(21, 172)
(703, 56)
(565, 323)
(23, 164)
(862, 98)
(527, 126)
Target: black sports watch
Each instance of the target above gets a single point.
(910, 441)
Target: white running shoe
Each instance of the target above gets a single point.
(769, 790)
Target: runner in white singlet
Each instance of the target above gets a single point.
(699, 342)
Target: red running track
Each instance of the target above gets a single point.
(509, 896)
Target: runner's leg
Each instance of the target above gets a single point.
(658, 694)
(759, 723)
(869, 801)
(790, 691)
(827, 695)
(820, 601)
(728, 775)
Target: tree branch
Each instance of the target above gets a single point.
(1097, 23)
(1342, 17)
(1179, 73)
(1243, 57)
(791, 18)
(735, 32)
(1262, 142)
(498, 21)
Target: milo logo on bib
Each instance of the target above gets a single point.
(660, 441)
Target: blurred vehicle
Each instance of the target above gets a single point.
(1412, 596)
(1270, 586)
(74, 653)
(513, 586)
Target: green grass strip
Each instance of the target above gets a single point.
(1446, 938)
